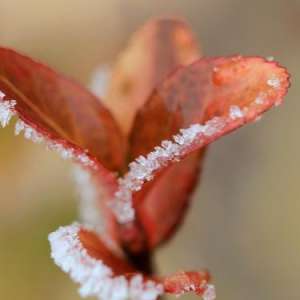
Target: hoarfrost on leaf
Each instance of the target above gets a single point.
(213, 126)
(65, 153)
(235, 112)
(270, 58)
(2, 95)
(95, 278)
(209, 293)
(274, 82)
(6, 110)
(29, 132)
(259, 100)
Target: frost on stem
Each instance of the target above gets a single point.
(95, 278)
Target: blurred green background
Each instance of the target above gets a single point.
(244, 221)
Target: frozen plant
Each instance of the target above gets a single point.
(162, 104)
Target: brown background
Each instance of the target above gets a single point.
(244, 222)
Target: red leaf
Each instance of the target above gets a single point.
(155, 50)
(60, 109)
(226, 93)
(183, 282)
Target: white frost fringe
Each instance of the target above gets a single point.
(209, 293)
(95, 278)
(7, 111)
(143, 168)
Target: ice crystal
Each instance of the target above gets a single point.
(270, 58)
(235, 112)
(66, 153)
(6, 110)
(2, 95)
(29, 132)
(69, 153)
(259, 100)
(209, 293)
(274, 82)
(95, 278)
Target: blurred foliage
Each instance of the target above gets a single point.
(244, 223)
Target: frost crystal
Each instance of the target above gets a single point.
(6, 110)
(209, 293)
(66, 153)
(2, 95)
(274, 82)
(235, 112)
(270, 58)
(29, 132)
(95, 278)
(69, 153)
(259, 100)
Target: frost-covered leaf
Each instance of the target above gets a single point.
(153, 52)
(81, 253)
(60, 110)
(210, 98)
(99, 272)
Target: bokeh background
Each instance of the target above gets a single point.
(244, 221)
